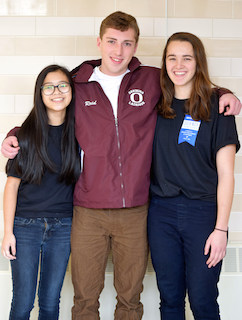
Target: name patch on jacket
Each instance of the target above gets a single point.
(189, 130)
(89, 103)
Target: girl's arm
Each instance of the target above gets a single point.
(217, 241)
(9, 207)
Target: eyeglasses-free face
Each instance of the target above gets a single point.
(49, 89)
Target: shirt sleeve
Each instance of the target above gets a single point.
(226, 132)
(11, 170)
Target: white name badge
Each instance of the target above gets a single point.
(189, 130)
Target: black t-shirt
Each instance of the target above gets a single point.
(51, 198)
(186, 169)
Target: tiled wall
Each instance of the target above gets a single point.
(35, 33)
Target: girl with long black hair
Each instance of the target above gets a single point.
(38, 197)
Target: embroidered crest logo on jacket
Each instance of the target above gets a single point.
(136, 97)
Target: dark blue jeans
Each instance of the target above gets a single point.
(43, 242)
(178, 229)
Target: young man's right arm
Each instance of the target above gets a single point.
(10, 145)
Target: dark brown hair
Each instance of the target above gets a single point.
(120, 21)
(198, 105)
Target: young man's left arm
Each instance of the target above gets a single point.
(228, 102)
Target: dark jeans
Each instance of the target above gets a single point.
(178, 229)
(47, 240)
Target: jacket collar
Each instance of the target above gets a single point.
(84, 71)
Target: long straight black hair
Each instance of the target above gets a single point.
(32, 159)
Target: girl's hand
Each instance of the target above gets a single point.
(9, 247)
(216, 244)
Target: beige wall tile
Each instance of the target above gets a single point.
(97, 24)
(7, 46)
(235, 237)
(227, 28)
(27, 7)
(6, 104)
(155, 8)
(23, 104)
(223, 48)
(73, 8)
(160, 27)
(200, 27)
(234, 84)
(235, 221)
(37, 46)
(237, 203)
(237, 9)
(7, 123)
(17, 26)
(146, 26)
(150, 61)
(63, 26)
(3, 180)
(150, 47)
(3, 162)
(16, 85)
(1, 139)
(238, 183)
(171, 8)
(87, 46)
(238, 164)
(203, 9)
(219, 67)
(237, 67)
(22, 65)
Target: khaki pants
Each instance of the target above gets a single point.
(94, 233)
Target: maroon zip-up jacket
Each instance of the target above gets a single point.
(117, 152)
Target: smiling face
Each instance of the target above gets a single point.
(117, 49)
(181, 67)
(57, 102)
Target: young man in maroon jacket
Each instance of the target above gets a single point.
(115, 120)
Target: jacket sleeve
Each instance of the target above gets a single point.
(13, 132)
(221, 91)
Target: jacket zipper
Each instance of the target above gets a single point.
(119, 162)
(118, 142)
